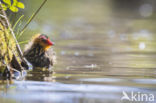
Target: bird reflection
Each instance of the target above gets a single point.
(40, 74)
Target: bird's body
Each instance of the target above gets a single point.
(39, 53)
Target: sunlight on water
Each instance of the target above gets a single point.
(142, 46)
(146, 10)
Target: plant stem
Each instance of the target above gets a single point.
(32, 17)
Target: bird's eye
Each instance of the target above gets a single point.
(43, 40)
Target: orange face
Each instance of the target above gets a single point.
(44, 41)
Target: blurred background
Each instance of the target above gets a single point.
(103, 47)
(107, 33)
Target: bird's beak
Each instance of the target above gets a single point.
(50, 42)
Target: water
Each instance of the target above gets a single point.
(102, 51)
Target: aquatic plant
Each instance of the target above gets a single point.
(11, 55)
(7, 47)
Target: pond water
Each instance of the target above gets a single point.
(103, 54)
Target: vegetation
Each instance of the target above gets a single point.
(9, 55)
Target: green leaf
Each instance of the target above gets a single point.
(7, 2)
(14, 2)
(13, 9)
(20, 5)
(4, 7)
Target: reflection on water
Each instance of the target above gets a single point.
(102, 51)
(40, 74)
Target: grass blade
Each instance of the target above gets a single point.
(32, 17)
(17, 22)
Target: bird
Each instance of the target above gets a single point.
(39, 52)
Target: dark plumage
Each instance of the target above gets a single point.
(39, 53)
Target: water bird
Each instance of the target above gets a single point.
(39, 52)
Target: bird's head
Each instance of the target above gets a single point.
(43, 41)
